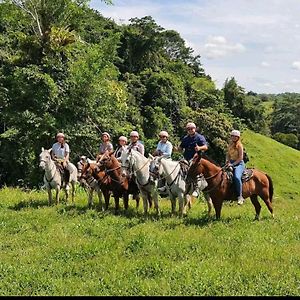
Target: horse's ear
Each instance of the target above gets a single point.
(151, 156)
(43, 149)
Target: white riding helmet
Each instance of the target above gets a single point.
(235, 133)
(60, 134)
(123, 138)
(106, 133)
(164, 133)
(190, 125)
(134, 133)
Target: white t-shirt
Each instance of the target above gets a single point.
(60, 152)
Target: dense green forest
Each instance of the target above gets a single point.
(64, 67)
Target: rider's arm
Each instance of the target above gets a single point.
(201, 144)
(169, 149)
(67, 153)
(142, 149)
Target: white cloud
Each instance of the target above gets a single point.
(296, 65)
(218, 46)
(265, 64)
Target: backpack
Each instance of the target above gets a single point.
(245, 156)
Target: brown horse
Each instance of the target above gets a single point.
(220, 188)
(124, 185)
(93, 175)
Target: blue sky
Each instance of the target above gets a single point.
(256, 41)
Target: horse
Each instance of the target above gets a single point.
(137, 165)
(220, 188)
(53, 177)
(164, 167)
(128, 186)
(90, 184)
(95, 177)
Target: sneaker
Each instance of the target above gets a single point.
(195, 194)
(240, 200)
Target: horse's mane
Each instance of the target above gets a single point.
(210, 159)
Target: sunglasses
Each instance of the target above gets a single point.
(190, 128)
(163, 136)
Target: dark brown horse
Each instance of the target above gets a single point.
(220, 188)
(123, 185)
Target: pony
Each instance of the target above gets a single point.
(163, 167)
(137, 165)
(53, 178)
(220, 188)
(128, 186)
(89, 183)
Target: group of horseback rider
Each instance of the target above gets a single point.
(192, 143)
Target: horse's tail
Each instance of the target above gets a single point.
(271, 187)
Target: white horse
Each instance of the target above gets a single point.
(175, 182)
(89, 183)
(52, 176)
(134, 163)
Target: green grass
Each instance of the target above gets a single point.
(72, 250)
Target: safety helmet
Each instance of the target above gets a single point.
(164, 133)
(60, 134)
(190, 125)
(235, 133)
(134, 133)
(106, 133)
(123, 138)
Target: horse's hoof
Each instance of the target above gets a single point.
(273, 216)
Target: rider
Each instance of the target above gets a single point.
(135, 144)
(234, 158)
(60, 154)
(164, 147)
(192, 143)
(106, 146)
(121, 147)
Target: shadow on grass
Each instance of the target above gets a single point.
(36, 204)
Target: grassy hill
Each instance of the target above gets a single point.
(72, 250)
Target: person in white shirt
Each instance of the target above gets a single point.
(164, 147)
(121, 147)
(60, 154)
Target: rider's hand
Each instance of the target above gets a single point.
(197, 148)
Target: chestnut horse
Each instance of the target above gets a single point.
(124, 185)
(220, 188)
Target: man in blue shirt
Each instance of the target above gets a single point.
(192, 142)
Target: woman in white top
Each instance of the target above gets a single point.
(164, 147)
(121, 147)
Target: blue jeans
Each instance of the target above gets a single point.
(237, 177)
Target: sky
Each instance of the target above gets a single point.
(255, 41)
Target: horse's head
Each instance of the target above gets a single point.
(155, 165)
(45, 158)
(127, 161)
(196, 168)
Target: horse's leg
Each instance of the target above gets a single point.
(73, 183)
(209, 203)
(173, 204)
(117, 204)
(257, 206)
(126, 200)
(106, 197)
(57, 194)
(266, 198)
(67, 191)
(187, 204)
(49, 196)
(180, 203)
(145, 197)
(90, 197)
(155, 197)
(101, 207)
(137, 199)
(218, 206)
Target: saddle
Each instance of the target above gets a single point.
(246, 176)
(184, 167)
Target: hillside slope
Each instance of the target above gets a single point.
(279, 161)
